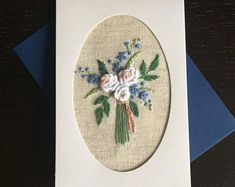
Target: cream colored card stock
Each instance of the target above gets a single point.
(132, 129)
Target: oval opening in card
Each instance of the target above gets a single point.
(122, 92)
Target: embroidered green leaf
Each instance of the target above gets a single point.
(99, 115)
(150, 77)
(134, 108)
(143, 69)
(100, 100)
(154, 64)
(131, 59)
(102, 68)
(93, 91)
(106, 106)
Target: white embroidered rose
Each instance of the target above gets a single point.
(122, 93)
(109, 82)
(129, 76)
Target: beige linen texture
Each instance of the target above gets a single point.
(104, 42)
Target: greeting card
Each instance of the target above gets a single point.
(121, 94)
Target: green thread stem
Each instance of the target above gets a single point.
(122, 133)
(131, 59)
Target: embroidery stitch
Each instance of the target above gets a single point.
(126, 84)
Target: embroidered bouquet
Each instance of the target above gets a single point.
(118, 79)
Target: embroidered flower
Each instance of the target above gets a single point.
(134, 90)
(143, 95)
(109, 82)
(138, 45)
(122, 56)
(122, 93)
(92, 78)
(117, 67)
(129, 76)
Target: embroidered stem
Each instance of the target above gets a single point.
(122, 134)
(131, 60)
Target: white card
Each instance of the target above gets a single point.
(76, 163)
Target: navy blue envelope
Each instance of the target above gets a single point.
(209, 119)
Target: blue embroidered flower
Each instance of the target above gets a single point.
(122, 56)
(135, 85)
(117, 67)
(138, 45)
(93, 79)
(134, 89)
(143, 95)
